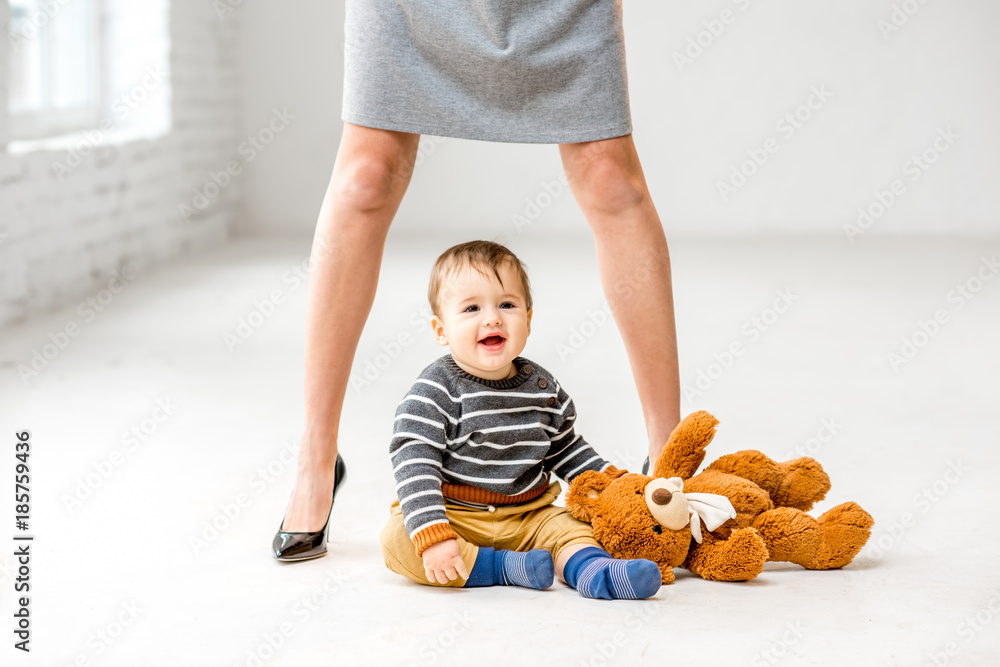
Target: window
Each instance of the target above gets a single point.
(54, 67)
(91, 71)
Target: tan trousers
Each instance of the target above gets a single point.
(536, 524)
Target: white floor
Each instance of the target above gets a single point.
(120, 578)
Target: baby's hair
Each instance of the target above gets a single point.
(479, 255)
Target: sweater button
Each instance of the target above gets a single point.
(551, 401)
(491, 508)
(542, 383)
(526, 369)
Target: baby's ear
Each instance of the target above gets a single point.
(583, 494)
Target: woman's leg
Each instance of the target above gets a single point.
(610, 188)
(370, 177)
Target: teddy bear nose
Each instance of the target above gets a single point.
(662, 496)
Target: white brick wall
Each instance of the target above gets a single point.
(120, 208)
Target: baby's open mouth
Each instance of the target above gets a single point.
(492, 342)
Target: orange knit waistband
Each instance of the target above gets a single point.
(474, 494)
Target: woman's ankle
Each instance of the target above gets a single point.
(317, 455)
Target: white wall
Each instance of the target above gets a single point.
(119, 210)
(889, 96)
(291, 54)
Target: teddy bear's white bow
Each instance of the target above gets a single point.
(711, 508)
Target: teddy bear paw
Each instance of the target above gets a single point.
(739, 558)
(846, 528)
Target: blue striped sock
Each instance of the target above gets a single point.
(532, 569)
(595, 574)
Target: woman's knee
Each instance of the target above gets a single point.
(606, 174)
(374, 170)
(368, 183)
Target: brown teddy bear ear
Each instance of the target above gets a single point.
(581, 499)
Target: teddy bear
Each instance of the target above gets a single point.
(724, 523)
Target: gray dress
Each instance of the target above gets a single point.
(524, 71)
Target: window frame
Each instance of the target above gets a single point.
(48, 123)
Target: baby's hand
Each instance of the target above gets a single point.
(443, 561)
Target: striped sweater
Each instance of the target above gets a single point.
(481, 442)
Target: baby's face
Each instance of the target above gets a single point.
(474, 307)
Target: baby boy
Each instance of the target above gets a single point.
(475, 442)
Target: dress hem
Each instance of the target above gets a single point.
(460, 133)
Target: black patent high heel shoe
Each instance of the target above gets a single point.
(295, 546)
